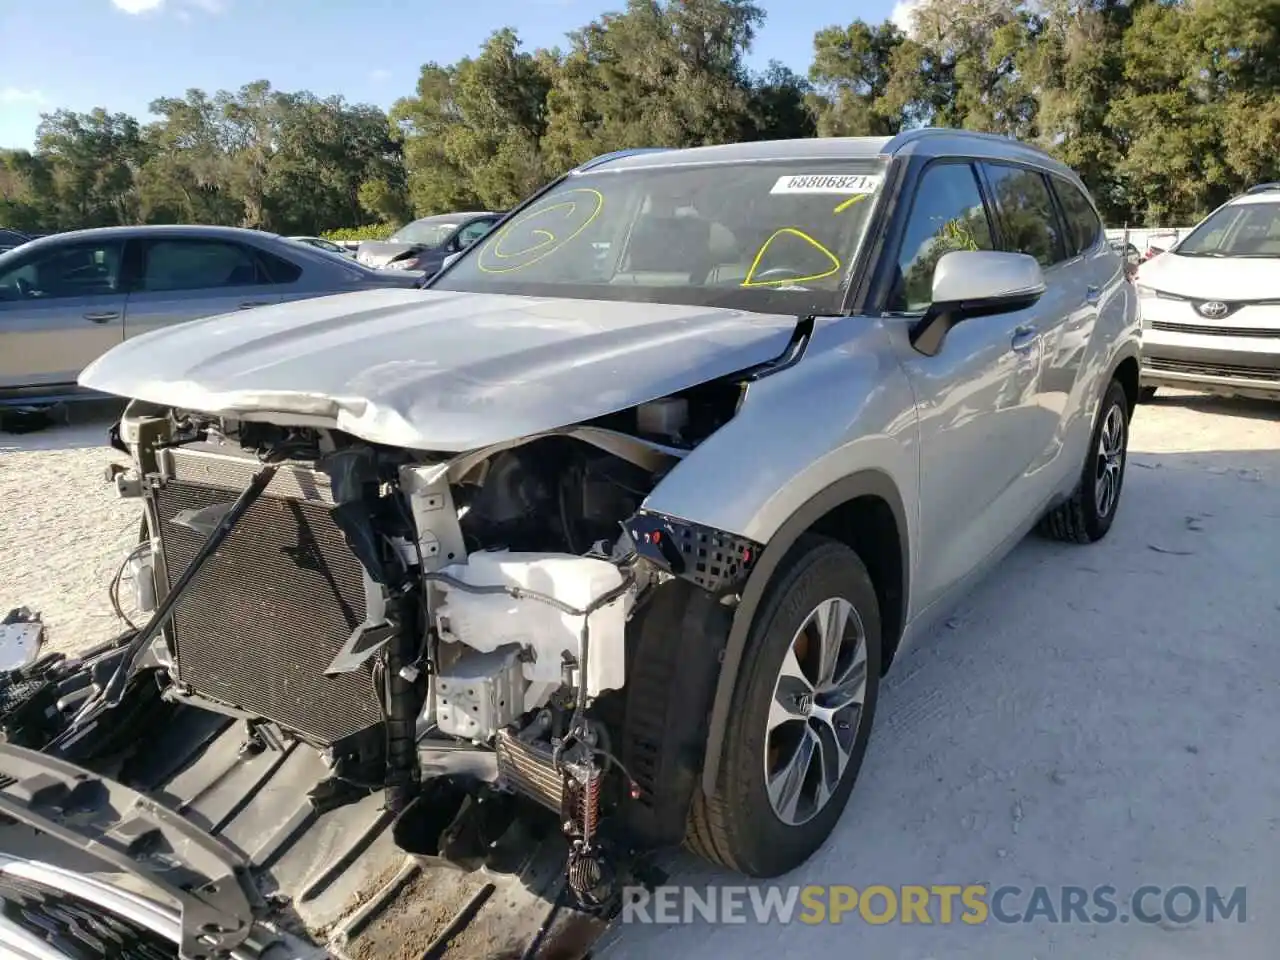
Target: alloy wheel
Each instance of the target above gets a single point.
(816, 711)
(1110, 462)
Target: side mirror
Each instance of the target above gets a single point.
(975, 283)
(448, 261)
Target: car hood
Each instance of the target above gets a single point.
(435, 370)
(375, 253)
(1213, 278)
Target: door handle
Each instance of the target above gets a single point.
(250, 304)
(1024, 339)
(102, 316)
(1091, 295)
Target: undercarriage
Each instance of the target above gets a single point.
(407, 704)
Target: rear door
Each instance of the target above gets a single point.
(61, 308)
(184, 278)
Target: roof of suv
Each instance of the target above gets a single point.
(927, 141)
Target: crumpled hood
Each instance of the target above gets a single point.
(375, 253)
(1213, 278)
(435, 370)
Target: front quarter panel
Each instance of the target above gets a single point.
(838, 424)
(845, 407)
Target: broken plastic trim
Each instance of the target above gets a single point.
(712, 559)
(125, 830)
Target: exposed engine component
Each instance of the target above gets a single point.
(469, 612)
(667, 418)
(526, 763)
(479, 693)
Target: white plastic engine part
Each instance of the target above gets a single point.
(663, 418)
(479, 693)
(486, 622)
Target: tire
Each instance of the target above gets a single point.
(1147, 394)
(1087, 516)
(738, 826)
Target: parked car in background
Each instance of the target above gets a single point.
(68, 298)
(1211, 304)
(424, 244)
(11, 238)
(320, 243)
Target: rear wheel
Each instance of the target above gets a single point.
(1088, 515)
(802, 713)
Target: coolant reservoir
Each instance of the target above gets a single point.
(485, 622)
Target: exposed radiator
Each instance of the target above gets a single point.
(269, 611)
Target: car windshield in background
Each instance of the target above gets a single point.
(1250, 229)
(427, 233)
(770, 237)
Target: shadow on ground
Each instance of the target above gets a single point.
(75, 426)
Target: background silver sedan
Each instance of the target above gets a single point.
(68, 298)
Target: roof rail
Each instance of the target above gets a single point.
(616, 155)
(900, 140)
(1262, 188)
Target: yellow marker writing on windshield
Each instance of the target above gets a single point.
(547, 242)
(844, 205)
(789, 281)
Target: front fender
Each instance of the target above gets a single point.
(838, 425)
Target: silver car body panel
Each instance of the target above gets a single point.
(438, 371)
(47, 342)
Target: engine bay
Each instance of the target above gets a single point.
(461, 631)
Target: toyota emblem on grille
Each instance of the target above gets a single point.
(1214, 309)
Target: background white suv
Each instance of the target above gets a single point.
(1211, 305)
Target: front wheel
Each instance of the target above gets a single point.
(802, 713)
(1088, 515)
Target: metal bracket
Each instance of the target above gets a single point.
(135, 835)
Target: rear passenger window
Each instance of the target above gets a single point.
(1029, 222)
(947, 214)
(1085, 227)
(173, 265)
(278, 269)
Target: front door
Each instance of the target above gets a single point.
(975, 398)
(61, 307)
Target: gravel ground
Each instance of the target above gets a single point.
(1091, 716)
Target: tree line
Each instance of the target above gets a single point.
(1165, 107)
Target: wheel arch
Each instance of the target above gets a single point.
(1128, 372)
(866, 512)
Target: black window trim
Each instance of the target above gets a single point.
(1062, 253)
(891, 252)
(1058, 182)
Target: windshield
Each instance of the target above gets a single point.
(1246, 229)
(769, 237)
(428, 232)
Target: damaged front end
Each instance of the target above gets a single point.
(501, 648)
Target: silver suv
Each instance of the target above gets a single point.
(623, 516)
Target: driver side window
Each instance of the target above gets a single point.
(947, 214)
(78, 270)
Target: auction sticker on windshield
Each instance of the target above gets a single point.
(844, 183)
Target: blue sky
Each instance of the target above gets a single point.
(121, 54)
